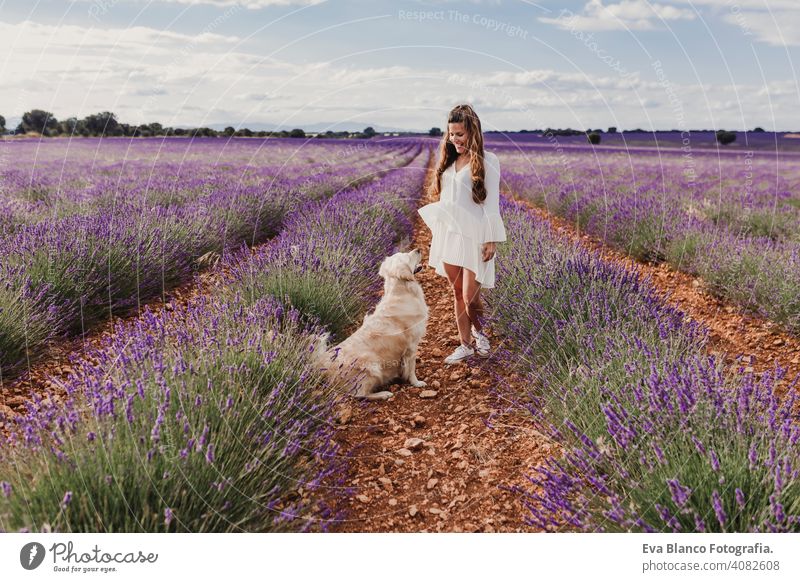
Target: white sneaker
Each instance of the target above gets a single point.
(481, 343)
(462, 352)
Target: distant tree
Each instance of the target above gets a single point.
(156, 128)
(69, 126)
(39, 121)
(101, 124)
(435, 132)
(612, 129)
(179, 131)
(369, 132)
(294, 133)
(726, 137)
(229, 131)
(594, 138)
(262, 133)
(758, 130)
(2, 124)
(244, 132)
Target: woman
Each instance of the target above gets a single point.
(465, 223)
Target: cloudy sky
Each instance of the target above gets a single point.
(341, 64)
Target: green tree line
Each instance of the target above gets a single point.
(106, 124)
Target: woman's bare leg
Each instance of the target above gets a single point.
(472, 299)
(455, 277)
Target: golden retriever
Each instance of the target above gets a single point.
(385, 346)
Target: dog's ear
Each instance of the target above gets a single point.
(385, 269)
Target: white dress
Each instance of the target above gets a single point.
(459, 226)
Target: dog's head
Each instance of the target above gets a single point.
(401, 265)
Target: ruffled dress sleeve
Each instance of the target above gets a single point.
(493, 228)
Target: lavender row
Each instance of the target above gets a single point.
(60, 278)
(655, 435)
(210, 418)
(59, 178)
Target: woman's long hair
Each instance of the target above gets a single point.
(472, 125)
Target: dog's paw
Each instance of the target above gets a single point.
(384, 395)
(419, 384)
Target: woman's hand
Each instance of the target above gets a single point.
(488, 251)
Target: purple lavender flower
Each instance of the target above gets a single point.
(168, 516)
(716, 501)
(739, 497)
(714, 461)
(752, 456)
(67, 499)
(210, 453)
(680, 494)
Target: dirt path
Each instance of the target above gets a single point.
(744, 341)
(435, 458)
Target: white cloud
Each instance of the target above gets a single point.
(145, 75)
(624, 15)
(778, 28)
(104, 5)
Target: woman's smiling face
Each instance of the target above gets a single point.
(458, 136)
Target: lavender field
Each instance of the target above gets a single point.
(94, 228)
(211, 418)
(731, 217)
(657, 436)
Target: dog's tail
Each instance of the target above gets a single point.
(319, 347)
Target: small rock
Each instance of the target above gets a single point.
(428, 394)
(404, 452)
(458, 408)
(345, 415)
(413, 443)
(456, 376)
(412, 511)
(419, 420)
(483, 473)
(434, 510)
(399, 462)
(778, 342)
(363, 498)
(432, 483)
(436, 384)
(387, 483)
(393, 502)
(475, 384)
